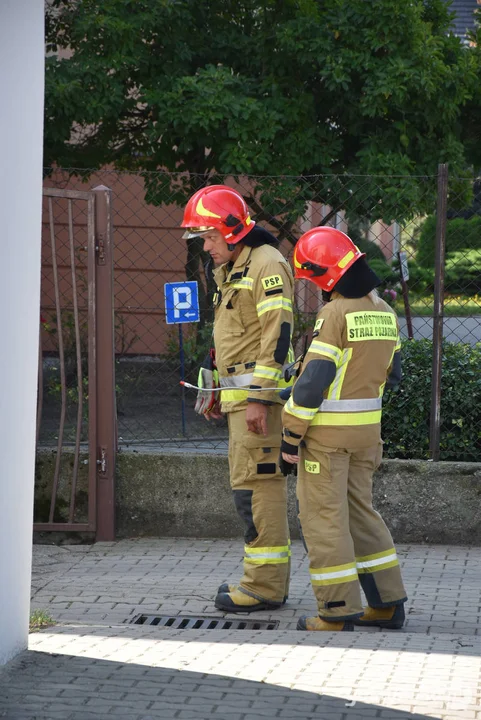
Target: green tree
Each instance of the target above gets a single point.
(309, 95)
(470, 120)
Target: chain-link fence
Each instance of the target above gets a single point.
(392, 219)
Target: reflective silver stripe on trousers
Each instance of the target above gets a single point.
(266, 556)
(236, 380)
(351, 405)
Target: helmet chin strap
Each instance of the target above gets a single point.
(317, 270)
(231, 246)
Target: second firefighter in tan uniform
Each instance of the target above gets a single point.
(334, 417)
(252, 333)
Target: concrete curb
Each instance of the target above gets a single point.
(164, 494)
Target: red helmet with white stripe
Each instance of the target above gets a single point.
(217, 207)
(323, 255)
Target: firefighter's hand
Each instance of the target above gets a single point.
(256, 418)
(215, 413)
(291, 459)
(288, 464)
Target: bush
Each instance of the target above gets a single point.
(421, 280)
(463, 272)
(375, 257)
(462, 275)
(373, 251)
(461, 235)
(197, 342)
(385, 272)
(406, 413)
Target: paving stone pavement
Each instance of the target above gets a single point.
(95, 664)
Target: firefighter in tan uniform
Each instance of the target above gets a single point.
(252, 335)
(332, 429)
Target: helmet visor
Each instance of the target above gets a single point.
(193, 232)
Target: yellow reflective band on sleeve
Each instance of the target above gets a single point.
(333, 575)
(347, 419)
(299, 412)
(280, 303)
(272, 281)
(243, 380)
(378, 561)
(312, 467)
(267, 555)
(262, 371)
(373, 325)
(354, 405)
(243, 284)
(283, 384)
(335, 388)
(331, 351)
(234, 395)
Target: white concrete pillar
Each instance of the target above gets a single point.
(21, 129)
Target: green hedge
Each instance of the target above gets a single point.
(462, 274)
(373, 251)
(461, 236)
(405, 424)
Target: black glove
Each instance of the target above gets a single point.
(286, 467)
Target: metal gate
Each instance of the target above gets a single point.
(76, 416)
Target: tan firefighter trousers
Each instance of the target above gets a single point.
(347, 540)
(260, 497)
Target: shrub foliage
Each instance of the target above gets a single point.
(406, 413)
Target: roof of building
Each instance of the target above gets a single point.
(464, 19)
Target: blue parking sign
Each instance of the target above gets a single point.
(181, 302)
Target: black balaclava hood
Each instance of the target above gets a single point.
(259, 236)
(358, 281)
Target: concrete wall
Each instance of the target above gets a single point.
(160, 494)
(21, 126)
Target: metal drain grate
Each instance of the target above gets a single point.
(188, 622)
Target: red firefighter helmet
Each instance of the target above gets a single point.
(323, 255)
(217, 207)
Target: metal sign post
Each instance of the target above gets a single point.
(403, 267)
(182, 306)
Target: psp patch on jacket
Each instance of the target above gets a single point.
(272, 281)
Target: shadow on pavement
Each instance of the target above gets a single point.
(43, 686)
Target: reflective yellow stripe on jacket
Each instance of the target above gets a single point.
(349, 412)
(298, 411)
(330, 351)
(246, 283)
(280, 303)
(262, 371)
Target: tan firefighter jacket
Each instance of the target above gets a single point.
(253, 325)
(360, 336)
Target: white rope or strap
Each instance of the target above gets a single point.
(232, 387)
